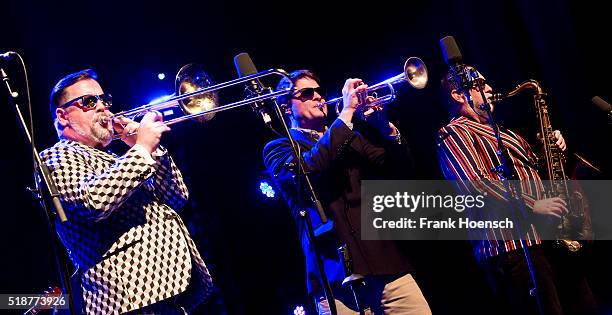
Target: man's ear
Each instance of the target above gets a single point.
(62, 117)
(457, 96)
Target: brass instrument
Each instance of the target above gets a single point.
(576, 223)
(415, 73)
(196, 96)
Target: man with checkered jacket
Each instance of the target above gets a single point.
(133, 250)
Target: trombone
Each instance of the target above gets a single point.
(415, 73)
(196, 95)
(197, 98)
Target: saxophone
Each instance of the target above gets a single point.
(576, 224)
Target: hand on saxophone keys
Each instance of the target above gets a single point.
(559, 140)
(556, 207)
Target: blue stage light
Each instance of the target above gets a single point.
(161, 99)
(161, 76)
(267, 189)
(168, 111)
(299, 310)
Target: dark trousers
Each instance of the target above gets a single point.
(560, 276)
(165, 307)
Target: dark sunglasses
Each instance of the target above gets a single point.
(308, 93)
(479, 82)
(89, 101)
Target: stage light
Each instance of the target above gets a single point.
(161, 76)
(267, 189)
(168, 111)
(161, 99)
(299, 310)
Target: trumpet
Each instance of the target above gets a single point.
(415, 73)
(197, 97)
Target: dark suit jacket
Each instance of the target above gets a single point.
(337, 163)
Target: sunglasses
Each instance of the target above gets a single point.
(308, 93)
(90, 101)
(479, 82)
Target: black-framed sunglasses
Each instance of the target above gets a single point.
(479, 82)
(89, 101)
(308, 93)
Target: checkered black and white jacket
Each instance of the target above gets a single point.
(131, 246)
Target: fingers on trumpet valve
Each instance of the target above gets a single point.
(361, 91)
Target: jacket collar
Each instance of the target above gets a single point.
(85, 148)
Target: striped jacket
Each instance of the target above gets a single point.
(467, 154)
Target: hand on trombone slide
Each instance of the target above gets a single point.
(146, 133)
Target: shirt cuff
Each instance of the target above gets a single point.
(144, 153)
(397, 137)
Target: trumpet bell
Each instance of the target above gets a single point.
(416, 72)
(191, 78)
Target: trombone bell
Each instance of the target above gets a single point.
(191, 78)
(203, 100)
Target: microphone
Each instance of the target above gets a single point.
(3, 75)
(603, 105)
(245, 67)
(450, 50)
(460, 77)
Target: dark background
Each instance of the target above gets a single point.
(249, 242)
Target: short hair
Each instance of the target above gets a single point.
(446, 88)
(293, 77)
(63, 83)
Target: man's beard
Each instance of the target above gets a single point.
(101, 135)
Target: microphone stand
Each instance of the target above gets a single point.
(504, 172)
(48, 189)
(303, 213)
